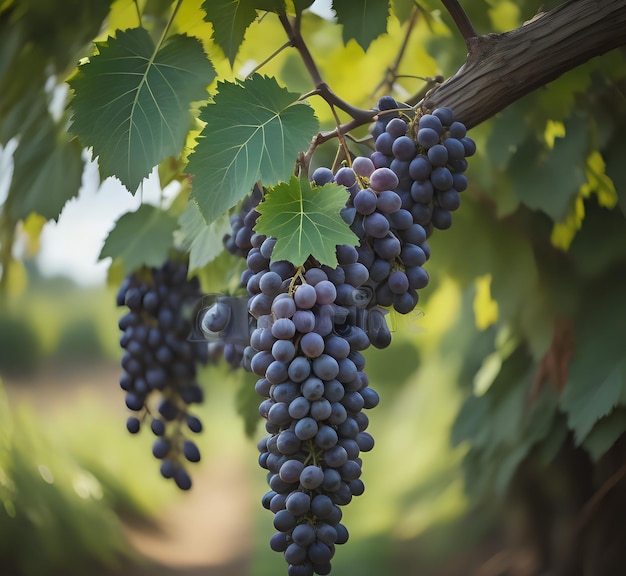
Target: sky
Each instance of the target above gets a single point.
(71, 246)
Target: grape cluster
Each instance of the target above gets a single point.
(392, 247)
(306, 350)
(309, 324)
(409, 185)
(428, 154)
(160, 362)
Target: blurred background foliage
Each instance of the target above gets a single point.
(503, 398)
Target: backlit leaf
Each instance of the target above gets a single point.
(362, 20)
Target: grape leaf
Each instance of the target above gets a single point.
(549, 180)
(247, 404)
(363, 20)
(597, 371)
(402, 9)
(47, 169)
(131, 101)
(587, 400)
(204, 241)
(143, 237)
(605, 433)
(305, 220)
(254, 130)
(231, 19)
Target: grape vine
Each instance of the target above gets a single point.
(324, 209)
(307, 313)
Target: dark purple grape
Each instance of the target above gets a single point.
(432, 122)
(396, 127)
(427, 137)
(403, 148)
(457, 130)
(322, 175)
(441, 178)
(365, 201)
(449, 200)
(441, 219)
(438, 155)
(420, 167)
(445, 115)
(455, 148)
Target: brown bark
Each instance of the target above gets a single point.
(501, 68)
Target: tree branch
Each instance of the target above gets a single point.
(461, 19)
(501, 68)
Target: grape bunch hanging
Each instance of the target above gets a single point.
(307, 327)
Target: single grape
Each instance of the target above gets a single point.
(365, 201)
(383, 179)
(403, 148)
(363, 166)
(396, 127)
(345, 177)
(322, 175)
(427, 137)
(438, 155)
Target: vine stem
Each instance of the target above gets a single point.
(321, 88)
(502, 68)
(461, 19)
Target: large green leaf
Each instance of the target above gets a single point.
(139, 238)
(132, 100)
(254, 131)
(204, 241)
(362, 20)
(305, 220)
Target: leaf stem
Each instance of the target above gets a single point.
(269, 58)
(169, 23)
(340, 135)
(461, 19)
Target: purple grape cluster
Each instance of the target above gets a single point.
(306, 350)
(428, 154)
(160, 363)
(393, 248)
(409, 185)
